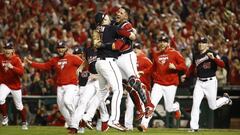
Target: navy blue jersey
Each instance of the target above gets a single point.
(108, 34)
(205, 66)
(91, 57)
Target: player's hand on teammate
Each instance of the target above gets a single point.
(210, 55)
(172, 66)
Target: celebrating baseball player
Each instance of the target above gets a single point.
(65, 66)
(144, 66)
(103, 38)
(128, 57)
(167, 63)
(11, 70)
(89, 88)
(205, 63)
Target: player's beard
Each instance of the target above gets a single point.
(8, 53)
(62, 53)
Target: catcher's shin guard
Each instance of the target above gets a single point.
(135, 83)
(134, 96)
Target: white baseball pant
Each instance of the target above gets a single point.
(17, 96)
(66, 96)
(209, 89)
(110, 74)
(168, 92)
(127, 64)
(87, 93)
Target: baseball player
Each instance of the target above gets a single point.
(205, 63)
(65, 66)
(103, 38)
(89, 89)
(144, 67)
(11, 70)
(167, 63)
(127, 57)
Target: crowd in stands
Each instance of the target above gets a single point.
(35, 26)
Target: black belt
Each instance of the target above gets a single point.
(105, 58)
(205, 79)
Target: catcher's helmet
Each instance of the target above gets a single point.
(8, 45)
(61, 44)
(99, 17)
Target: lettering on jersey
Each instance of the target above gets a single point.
(163, 59)
(206, 65)
(62, 63)
(4, 64)
(100, 29)
(199, 61)
(92, 59)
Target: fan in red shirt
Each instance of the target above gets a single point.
(167, 62)
(11, 70)
(65, 66)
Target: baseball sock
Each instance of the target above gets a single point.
(3, 109)
(23, 114)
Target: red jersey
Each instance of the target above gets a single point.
(65, 67)
(11, 77)
(161, 72)
(125, 30)
(144, 64)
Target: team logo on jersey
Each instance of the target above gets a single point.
(62, 63)
(199, 61)
(92, 59)
(4, 65)
(163, 59)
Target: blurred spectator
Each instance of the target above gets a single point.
(221, 75)
(41, 116)
(55, 118)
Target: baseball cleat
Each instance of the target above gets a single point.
(5, 121)
(193, 130)
(229, 99)
(81, 130)
(104, 127)
(88, 124)
(149, 111)
(142, 128)
(72, 131)
(139, 115)
(24, 126)
(117, 126)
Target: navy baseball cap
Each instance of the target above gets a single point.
(99, 17)
(8, 45)
(163, 39)
(61, 44)
(202, 40)
(78, 50)
(137, 45)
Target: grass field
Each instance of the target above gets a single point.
(40, 130)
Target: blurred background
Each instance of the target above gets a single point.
(35, 26)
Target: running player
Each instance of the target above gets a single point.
(11, 70)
